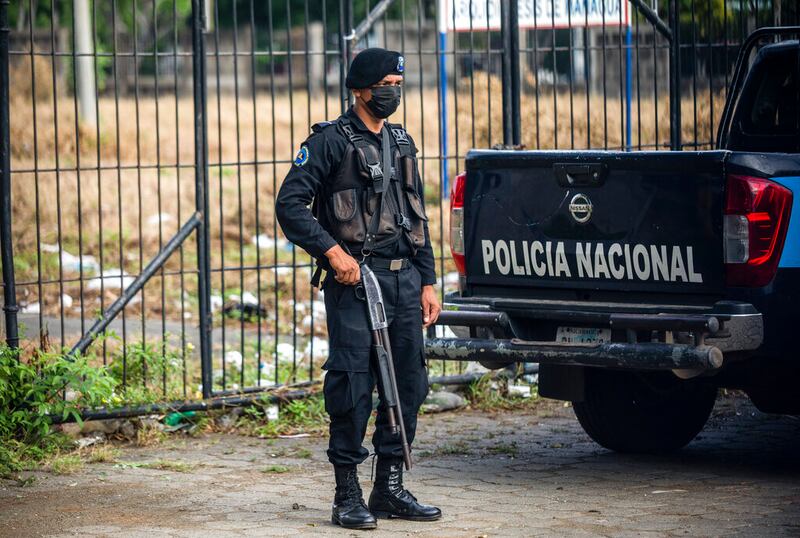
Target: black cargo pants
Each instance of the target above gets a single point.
(351, 371)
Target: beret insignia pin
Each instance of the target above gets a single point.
(401, 64)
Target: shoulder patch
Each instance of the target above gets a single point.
(302, 156)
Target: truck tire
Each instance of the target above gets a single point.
(643, 413)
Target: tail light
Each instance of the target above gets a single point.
(756, 218)
(457, 222)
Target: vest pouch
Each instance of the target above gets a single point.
(348, 220)
(387, 230)
(414, 202)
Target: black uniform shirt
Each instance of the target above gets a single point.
(314, 167)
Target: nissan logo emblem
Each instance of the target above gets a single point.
(581, 208)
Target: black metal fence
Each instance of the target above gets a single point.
(130, 126)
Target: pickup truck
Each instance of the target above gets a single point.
(642, 282)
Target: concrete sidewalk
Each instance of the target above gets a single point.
(493, 474)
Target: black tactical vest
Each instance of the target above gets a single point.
(350, 201)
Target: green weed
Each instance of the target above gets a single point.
(504, 449)
(298, 416)
(302, 453)
(487, 395)
(275, 469)
(148, 436)
(32, 389)
(457, 448)
(148, 372)
(169, 465)
(66, 464)
(102, 454)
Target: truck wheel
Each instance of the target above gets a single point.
(643, 412)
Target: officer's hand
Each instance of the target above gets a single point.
(346, 267)
(430, 306)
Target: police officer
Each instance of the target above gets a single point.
(361, 173)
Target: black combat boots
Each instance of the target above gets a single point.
(349, 509)
(389, 499)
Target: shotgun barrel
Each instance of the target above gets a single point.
(383, 355)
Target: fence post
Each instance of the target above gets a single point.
(9, 287)
(509, 29)
(201, 191)
(675, 77)
(85, 84)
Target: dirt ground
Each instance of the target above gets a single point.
(519, 473)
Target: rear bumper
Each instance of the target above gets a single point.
(646, 356)
(705, 337)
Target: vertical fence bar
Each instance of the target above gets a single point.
(139, 192)
(628, 86)
(693, 55)
(308, 55)
(571, 81)
(505, 33)
(201, 190)
(535, 35)
(554, 87)
(178, 169)
(159, 197)
(238, 184)
(290, 77)
(34, 120)
(57, 154)
(513, 52)
(275, 260)
(345, 31)
(82, 108)
(9, 288)
(218, 166)
(99, 161)
(675, 77)
(254, 96)
(444, 145)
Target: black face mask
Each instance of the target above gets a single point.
(384, 101)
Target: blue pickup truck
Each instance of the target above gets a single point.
(642, 282)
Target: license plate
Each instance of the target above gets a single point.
(582, 335)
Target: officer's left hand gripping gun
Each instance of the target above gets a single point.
(383, 353)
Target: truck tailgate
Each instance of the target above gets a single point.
(644, 221)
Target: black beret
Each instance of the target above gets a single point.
(371, 65)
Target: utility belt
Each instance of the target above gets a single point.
(392, 264)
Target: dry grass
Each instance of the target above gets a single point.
(102, 454)
(65, 464)
(115, 180)
(149, 436)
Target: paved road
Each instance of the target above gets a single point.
(493, 474)
(73, 329)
